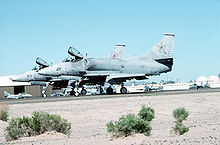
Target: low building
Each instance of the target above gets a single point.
(6, 84)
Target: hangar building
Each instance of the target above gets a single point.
(6, 84)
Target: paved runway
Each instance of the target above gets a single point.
(71, 98)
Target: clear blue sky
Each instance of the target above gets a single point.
(46, 28)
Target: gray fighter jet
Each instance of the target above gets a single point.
(34, 78)
(18, 96)
(60, 81)
(157, 60)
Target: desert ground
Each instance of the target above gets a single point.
(89, 118)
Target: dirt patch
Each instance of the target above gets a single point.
(89, 118)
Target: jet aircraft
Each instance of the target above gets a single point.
(157, 60)
(57, 81)
(18, 96)
(34, 78)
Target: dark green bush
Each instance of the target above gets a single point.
(180, 113)
(122, 127)
(142, 126)
(19, 127)
(129, 124)
(39, 123)
(146, 113)
(4, 115)
(179, 128)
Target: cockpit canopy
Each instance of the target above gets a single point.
(73, 52)
(42, 62)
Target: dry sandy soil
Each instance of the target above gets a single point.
(89, 118)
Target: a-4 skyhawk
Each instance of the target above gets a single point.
(157, 60)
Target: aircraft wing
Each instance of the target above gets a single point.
(64, 78)
(112, 78)
(118, 79)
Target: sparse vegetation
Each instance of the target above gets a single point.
(146, 113)
(179, 128)
(39, 123)
(131, 123)
(4, 112)
(180, 114)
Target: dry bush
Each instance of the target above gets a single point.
(39, 123)
(180, 114)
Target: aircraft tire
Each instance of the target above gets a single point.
(83, 91)
(76, 94)
(123, 90)
(109, 90)
(44, 95)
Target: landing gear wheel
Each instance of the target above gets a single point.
(83, 92)
(76, 94)
(123, 90)
(109, 90)
(44, 95)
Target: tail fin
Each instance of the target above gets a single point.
(163, 49)
(119, 52)
(6, 94)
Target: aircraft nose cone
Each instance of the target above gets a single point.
(14, 78)
(19, 78)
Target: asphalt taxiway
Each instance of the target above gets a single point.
(71, 98)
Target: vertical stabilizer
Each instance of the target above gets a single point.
(6, 94)
(119, 52)
(163, 49)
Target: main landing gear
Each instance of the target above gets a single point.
(123, 90)
(109, 90)
(83, 91)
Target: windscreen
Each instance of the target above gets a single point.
(42, 62)
(73, 52)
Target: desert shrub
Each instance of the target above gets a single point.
(4, 112)
(19, 127)
(180, 113)
(47, 122)
(147, 113)
(122, 127)
(142, 126)
(127, 125)
(179, 128)
(131, 123)
(4, 115)
(39, 123)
